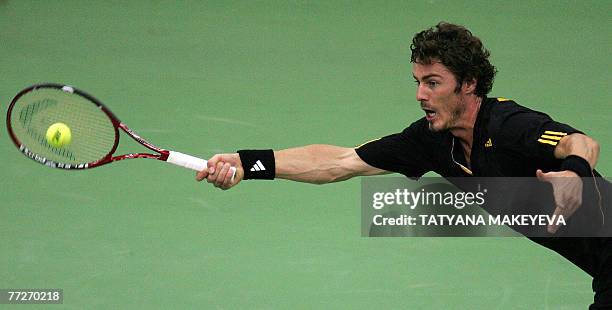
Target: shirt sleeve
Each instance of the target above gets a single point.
(403, 152)
(534, 134)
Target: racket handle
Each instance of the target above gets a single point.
(191, 162)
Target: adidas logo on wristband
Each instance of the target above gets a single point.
(258, 166)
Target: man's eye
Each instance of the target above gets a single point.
(432, 83)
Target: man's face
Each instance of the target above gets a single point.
(436, 92)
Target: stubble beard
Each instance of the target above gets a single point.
(455, 116)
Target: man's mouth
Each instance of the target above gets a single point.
(429, 114)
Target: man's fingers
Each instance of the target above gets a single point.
(201, 175)
(563, 210)
(214, 172)
(212, 162)
(225, 167)
(559, 211)
(228, 179)
(542, 176)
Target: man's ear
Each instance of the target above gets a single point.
(469, 87)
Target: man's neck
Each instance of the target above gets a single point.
(464, 129)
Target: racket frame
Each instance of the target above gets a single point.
(108, 158)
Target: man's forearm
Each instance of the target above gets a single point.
(579, 145)
(317, 164)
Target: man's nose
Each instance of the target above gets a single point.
(421, 94)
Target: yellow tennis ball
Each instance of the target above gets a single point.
(58, 135)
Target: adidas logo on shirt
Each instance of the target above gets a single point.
(258, 166)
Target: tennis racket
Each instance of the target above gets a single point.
(93, 130)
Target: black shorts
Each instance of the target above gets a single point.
(602, 279)
(602, 286)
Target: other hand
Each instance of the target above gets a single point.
(567, 190)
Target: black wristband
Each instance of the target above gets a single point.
(577, 164)
(258, 164)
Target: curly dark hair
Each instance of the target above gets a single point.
(459, 51)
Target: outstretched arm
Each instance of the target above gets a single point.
(317, 164)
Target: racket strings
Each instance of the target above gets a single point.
(92, 132)
(25, 118)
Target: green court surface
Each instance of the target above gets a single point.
(216, 76)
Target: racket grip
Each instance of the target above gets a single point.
(191, 162)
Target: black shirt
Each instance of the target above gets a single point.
(509, 141)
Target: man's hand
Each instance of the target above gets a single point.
(219, 172)
(567, 190)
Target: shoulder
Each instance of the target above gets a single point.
(507, 117)
(514, 124)
(503, 109)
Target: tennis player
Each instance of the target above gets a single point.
(464, 133)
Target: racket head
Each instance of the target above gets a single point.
(93, 127)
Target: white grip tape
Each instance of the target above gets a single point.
(190, 162)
